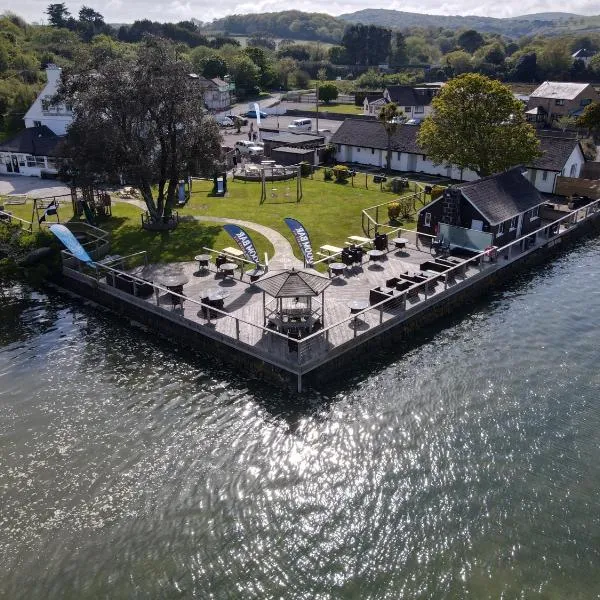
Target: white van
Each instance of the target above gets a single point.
(300, 125)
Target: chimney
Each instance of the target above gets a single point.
(53, 73)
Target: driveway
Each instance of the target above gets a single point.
(34, 187)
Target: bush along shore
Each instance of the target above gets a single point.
(32, 257)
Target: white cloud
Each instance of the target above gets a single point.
(124, 11)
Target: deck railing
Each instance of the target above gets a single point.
(394, 309)
(7, 217)
(242, 333)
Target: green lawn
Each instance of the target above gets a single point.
(128, 237)
(334, 107)
(329, 211)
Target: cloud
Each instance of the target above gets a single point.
(126, 11)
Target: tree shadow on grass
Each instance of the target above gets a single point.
(180, 244)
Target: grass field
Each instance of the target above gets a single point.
(329, 211)
(127, 236)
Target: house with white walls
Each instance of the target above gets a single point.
(33, 152)
(43, 112)
(560, 156)
(364, 142)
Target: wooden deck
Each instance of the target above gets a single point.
(244, 303)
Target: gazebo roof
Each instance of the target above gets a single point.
(292, 283)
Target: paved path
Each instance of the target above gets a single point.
(283, 258)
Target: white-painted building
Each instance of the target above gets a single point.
(364, 142)
(32, 152)
(560, 156)
(56, 117)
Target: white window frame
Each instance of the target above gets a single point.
(514, 222)
(544, 175)
(419, 110)
(559, 102)
(500, 231)
(534, 213)
(427, 220)
(30, 160)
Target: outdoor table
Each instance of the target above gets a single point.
(215, 294)
(330, 249)
(361, 241)
(336, 269)
(357, 306)
(233, 252)
(203, 260)
(375, 255)
(255, 274)
(174, 283)
(400, 242)
(228, 269)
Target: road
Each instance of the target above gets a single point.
(34, 187)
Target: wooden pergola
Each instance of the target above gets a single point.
(292, 307)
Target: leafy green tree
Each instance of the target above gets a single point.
(594, 65)
(58, 14)
(555, 60)
(590, 118)
(245, 74)
(478, 124)
(262, 40)
(459, 61)
(338, 55)
(470, 40)
(390, 116)
(525, 68)
(328, 92)
(398, 53)
(139, 117)
(494, 54)
(214, 66)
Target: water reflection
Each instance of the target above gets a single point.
(464, 466)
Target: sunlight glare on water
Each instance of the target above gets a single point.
(463, 466)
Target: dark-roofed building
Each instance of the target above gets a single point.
(365, 142)
(292, 140)
(504, 206)
(584, 55)
(560, 156)
(33, 151)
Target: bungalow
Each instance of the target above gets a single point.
(56, 117)
(33, 151)
(504, 206)
(365, 142)
(560, 156)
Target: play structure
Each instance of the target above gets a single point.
(91, 202)
(274, 193)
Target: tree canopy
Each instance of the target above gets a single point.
(477, 124)
(390, 115)
(328, 92)
(140, 117)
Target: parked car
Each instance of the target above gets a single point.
(300, 125)
(251, 114)
(235, 118)
(224, 121)
(248, 148)
(413, 122)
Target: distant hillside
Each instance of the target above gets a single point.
(550, 22)
(292, 24)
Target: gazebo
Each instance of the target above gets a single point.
(293, 308)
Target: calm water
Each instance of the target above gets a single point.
(465, 467)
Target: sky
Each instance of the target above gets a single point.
(126, 11)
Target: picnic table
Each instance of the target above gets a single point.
(233, 252)
(359, 240)
(329, 250)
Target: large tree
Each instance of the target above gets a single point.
(58, 14)
(590, 118)
(390, 116)
(140, 117)
(478, 124)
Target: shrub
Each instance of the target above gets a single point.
(393, 211)
(342, 173)
(437, 191)
(327, 174)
